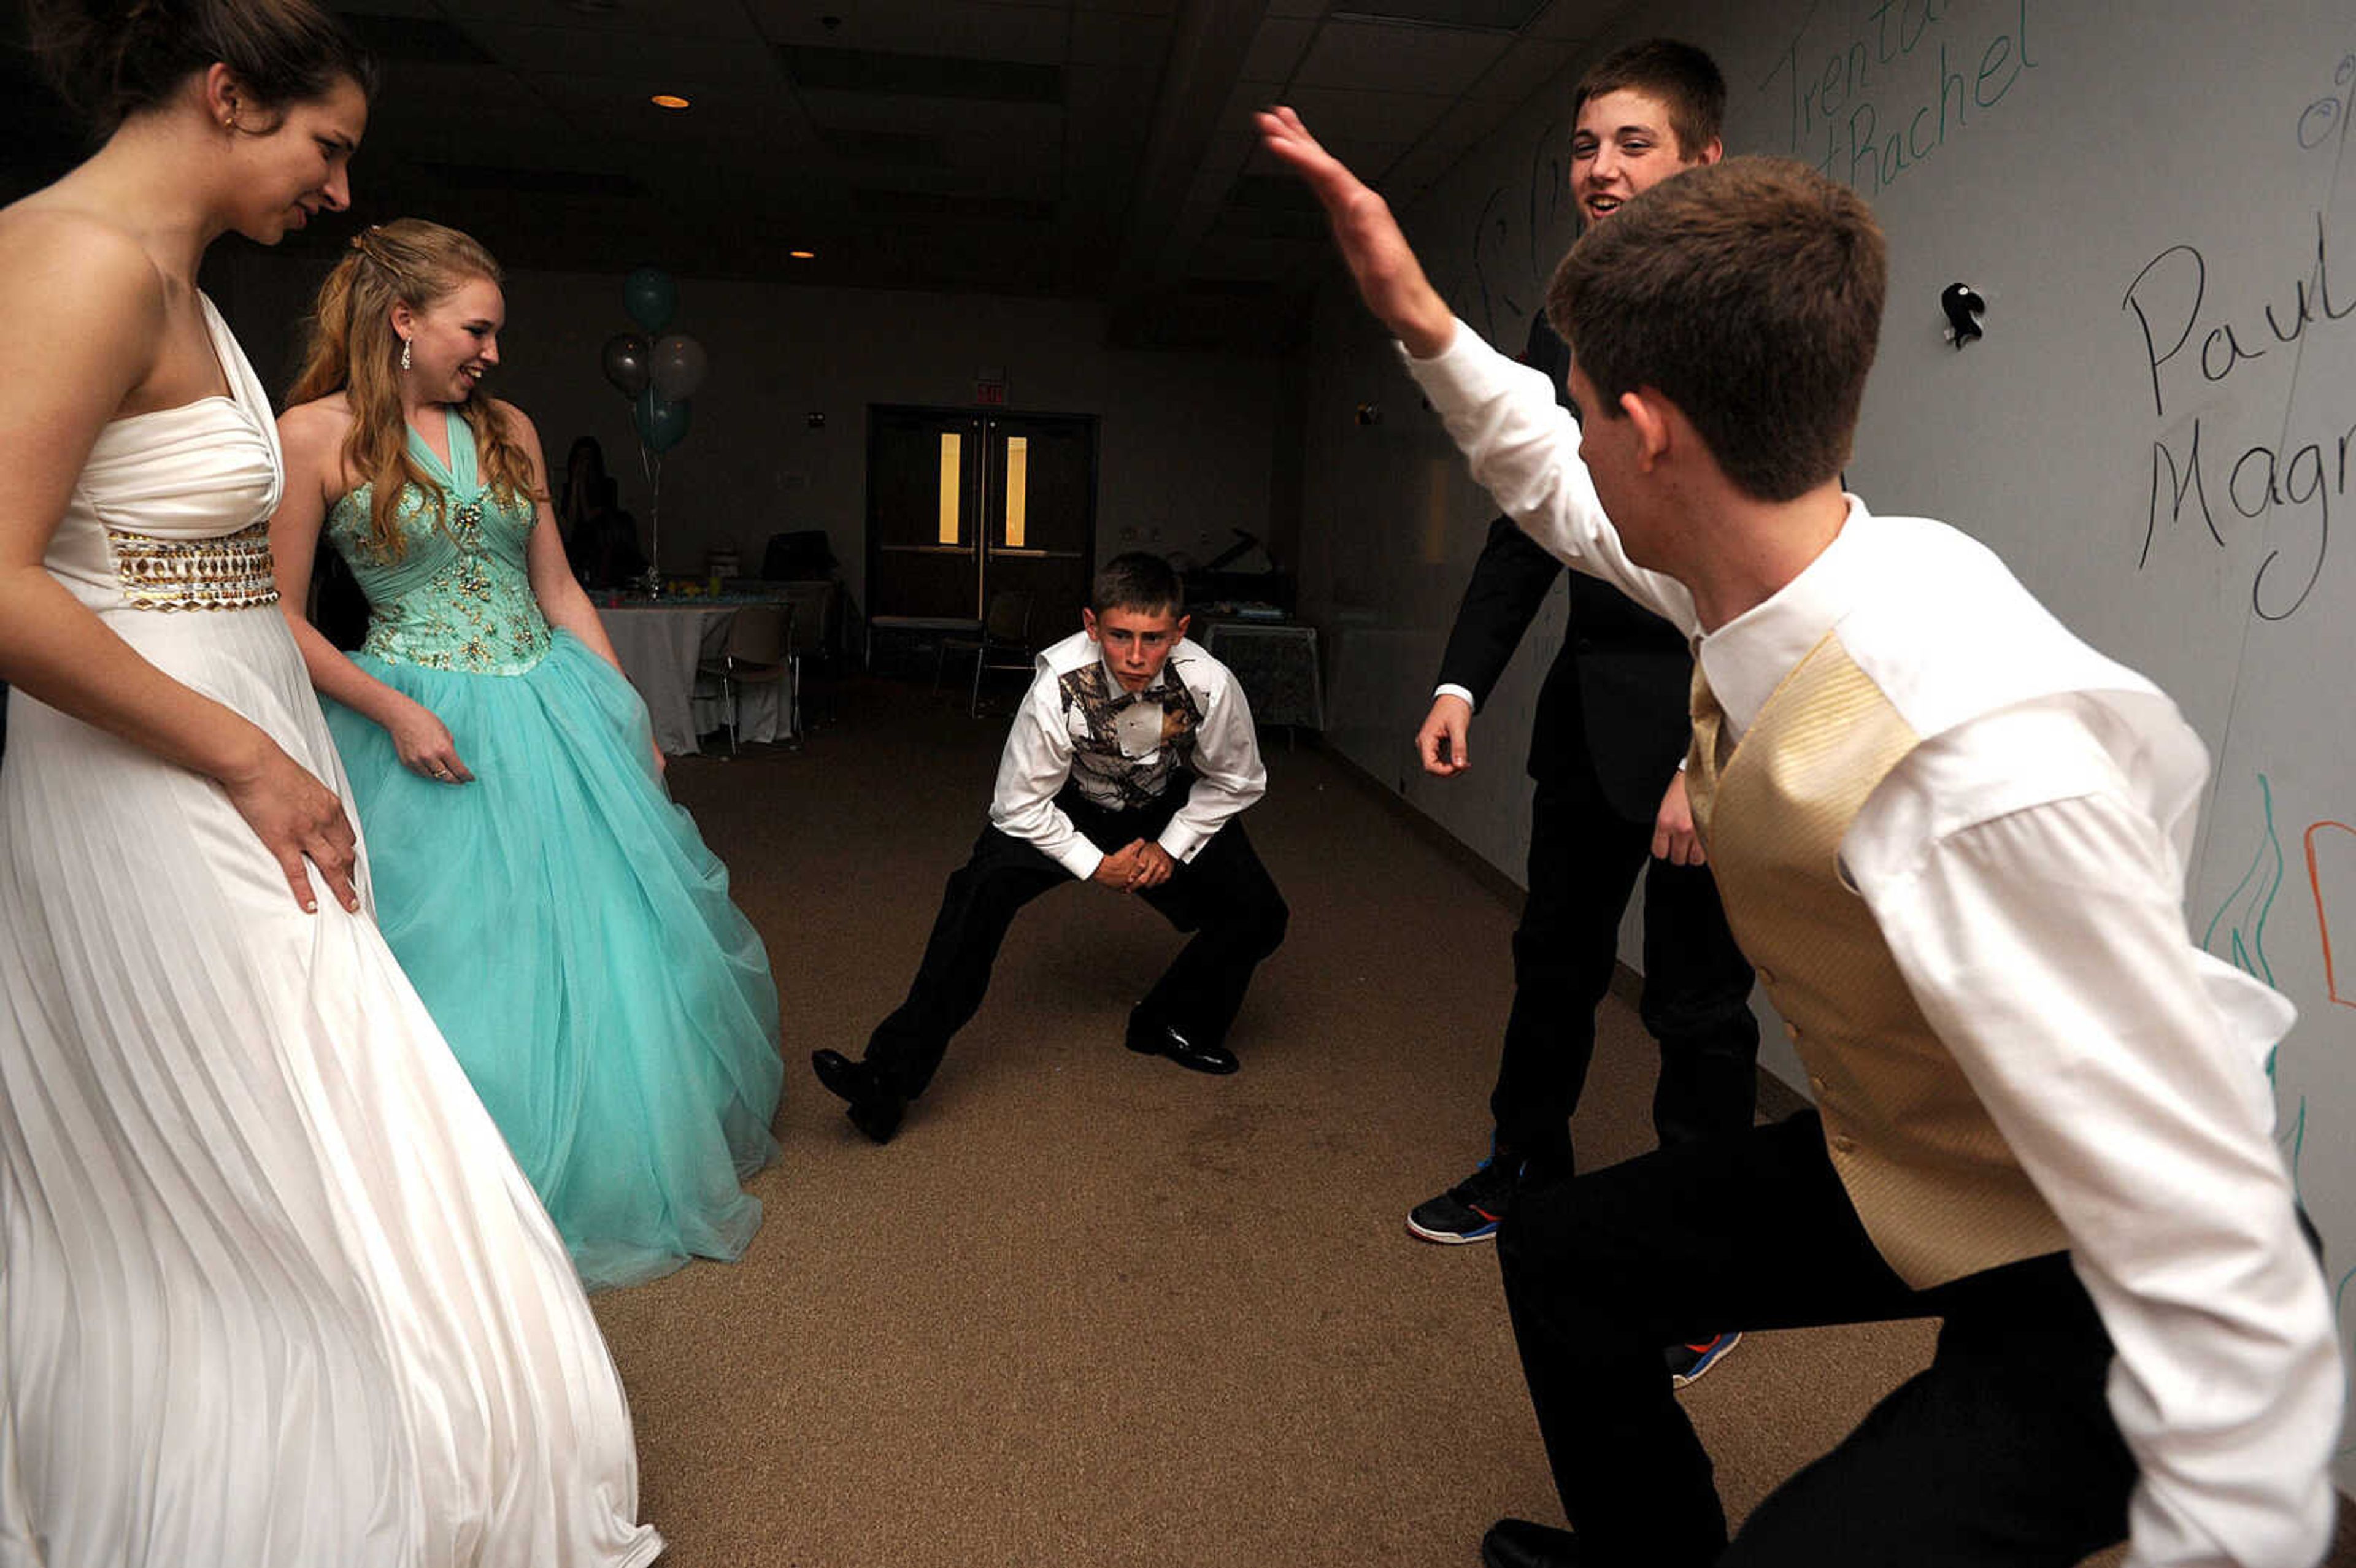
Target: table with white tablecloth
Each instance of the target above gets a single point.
(660, 644)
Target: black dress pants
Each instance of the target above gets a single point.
(1583, 863)
(1224, 896)
(2004, 1452)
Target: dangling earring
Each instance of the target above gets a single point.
(404, 355)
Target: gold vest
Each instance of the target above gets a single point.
(1936, 1185)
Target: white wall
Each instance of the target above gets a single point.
(2149, 196)
(1184, 439)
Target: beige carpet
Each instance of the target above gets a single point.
(1090, 1308)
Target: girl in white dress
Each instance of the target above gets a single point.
(271, 1290)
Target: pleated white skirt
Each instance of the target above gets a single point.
(272, 1289)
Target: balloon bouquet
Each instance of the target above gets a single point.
(659, 372)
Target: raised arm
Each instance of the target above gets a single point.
(83, 322)
(1390, 279)
(1523, 447)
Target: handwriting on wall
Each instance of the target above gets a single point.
(1522, 229)
(1910, 78)
(2326, 119)
(2191, 345)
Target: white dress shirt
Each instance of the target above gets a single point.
(2026, 865)
(1070, 729)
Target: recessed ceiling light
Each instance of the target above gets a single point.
(669, 101)
(803, 255)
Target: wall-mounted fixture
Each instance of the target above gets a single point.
(1963, 307)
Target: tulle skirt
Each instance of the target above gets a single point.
(574, 939)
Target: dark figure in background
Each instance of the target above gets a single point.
(1611, 729)
(1128, 765)
(601, 541)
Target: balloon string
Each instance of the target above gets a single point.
(656, 542)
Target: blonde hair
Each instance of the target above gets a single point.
(353, 349)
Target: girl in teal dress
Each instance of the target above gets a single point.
(559, 915)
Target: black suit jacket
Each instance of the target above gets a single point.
(1614, 706)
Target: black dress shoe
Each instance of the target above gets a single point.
(1162, 1039)
(876, 1107)
(1519, 1543)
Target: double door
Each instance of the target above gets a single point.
(964, 505)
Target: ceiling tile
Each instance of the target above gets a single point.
(1416, 172)
(1571, 21)
(1097, 94)
(1038, 35)
(1375, 56)
(1018, 128)
(1118, 39)
(1337, 113)
(1527, 67)
(650, 58)
(1468, 122)
(706, 19)
(1277, 48)
(886, 73)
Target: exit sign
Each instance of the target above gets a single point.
(990, 394)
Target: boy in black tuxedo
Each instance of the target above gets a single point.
(1611, 730)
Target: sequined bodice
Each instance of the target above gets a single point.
(171, 510)
(460, 596)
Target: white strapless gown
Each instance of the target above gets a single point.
(271, 1290)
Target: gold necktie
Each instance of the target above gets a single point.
(1702, 761)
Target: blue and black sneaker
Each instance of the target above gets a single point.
(1468, 1212)
(1688, 1362)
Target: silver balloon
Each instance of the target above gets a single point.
(677, 367)
(625, 359)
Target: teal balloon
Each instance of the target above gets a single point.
(651, 298)
(662, 424)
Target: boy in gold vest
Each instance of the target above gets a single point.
(1954, 838)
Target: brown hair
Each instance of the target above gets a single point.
(1749, 293)
(1685, 79)
(113, 58)
(353, 349)
(1139, 580)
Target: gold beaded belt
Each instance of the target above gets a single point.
(230, 572)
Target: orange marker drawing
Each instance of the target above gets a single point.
(2322, 917)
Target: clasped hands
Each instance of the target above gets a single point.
(1138, 865)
